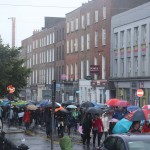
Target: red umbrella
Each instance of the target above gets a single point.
(123, 103)
(146, 107)
(137, 115)
(112, 102)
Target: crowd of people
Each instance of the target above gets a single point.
(94, 126)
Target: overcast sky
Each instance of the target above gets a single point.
(30, 15)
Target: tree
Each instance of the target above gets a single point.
(12, 71)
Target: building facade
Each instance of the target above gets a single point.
(130, 54)
(43, 52)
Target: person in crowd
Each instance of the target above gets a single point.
(117, 114)
(75, 114)
(47, 120)
(86, 129)
(11, 116)
(98, 129)
(146, 127)
(135, 128)
(20, 115)
(124, 112)
(27, 118)
(105, 121)
(1, 117)
(111, 126)
(70, 123)
(61, 126)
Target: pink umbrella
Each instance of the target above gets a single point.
(123, 103)
(146, 107)
(113, 120)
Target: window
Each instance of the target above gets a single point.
(33, 44)
(76, 71)
(103, 36)
(109, 143)
(116, 41)
(104, 12)
(143, 34)
(87, 68)
(116, 67)
(96, 39)
(47, 40)
(82, 22)
(36, 44)
(143, 60)
(82, 43)
(67, 72)
(72, 26)
(50, 38)
(76, 44)
(120, 145)
(53, 37)
(67, 27)
(96, 15)
(71, 45)
(88, 41)
(67, 47)
(103, 67)
(122, 39)
(33, 59)
(136, 65)
(77, 23)
(122, 67)
(136, 35)
(128, 37)
(88, 19)
(53, 54)
(129, 66)
(82, 69)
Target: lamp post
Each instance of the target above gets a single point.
(13, 19)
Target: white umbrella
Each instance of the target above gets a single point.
(71, 106)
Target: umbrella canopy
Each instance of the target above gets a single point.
(64, 111)
(137, 115)
(146, 107)
(94, 110)
(122, 126)
(112, 102)
(113, 120)
(58, 109)
(57, 105)
(123, 103)
(132, 108)
(71, 106)
(44, 103)
(87, 104)
(32, 107)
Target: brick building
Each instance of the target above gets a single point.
(41, 50)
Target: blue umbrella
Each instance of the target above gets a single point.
(122, 126)
(132, 108)
(44, 103)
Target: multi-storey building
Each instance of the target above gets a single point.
(130, 54)
(44, 54)
(87, 54)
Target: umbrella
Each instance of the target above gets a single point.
(146, 107)
(112, 102)
(122, 126)
(44, 103)
(94, 110)
(71, 106)
(66, 103)
(57, 105)
(58, 109)
(132, 108)
(113, 120)
(87, 104)
(31, 107)
(123, 103)
(64, 111)
(139, 114)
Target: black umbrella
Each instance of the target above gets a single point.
(94, 110)
(56, 105)
(87, 104)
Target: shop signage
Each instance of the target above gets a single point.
(94, 69)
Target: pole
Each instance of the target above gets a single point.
(53, 111)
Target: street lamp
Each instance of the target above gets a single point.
(13, 19)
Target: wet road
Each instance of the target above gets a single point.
(36, 142)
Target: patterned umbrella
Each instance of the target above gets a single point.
(32, 107)
(146, 107)
(137, 115)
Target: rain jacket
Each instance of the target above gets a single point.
(66, 143)
(99, 124)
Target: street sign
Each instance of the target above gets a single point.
(140, 92)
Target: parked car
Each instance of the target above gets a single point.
(126, 142)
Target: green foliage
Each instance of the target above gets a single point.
(12, 71)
